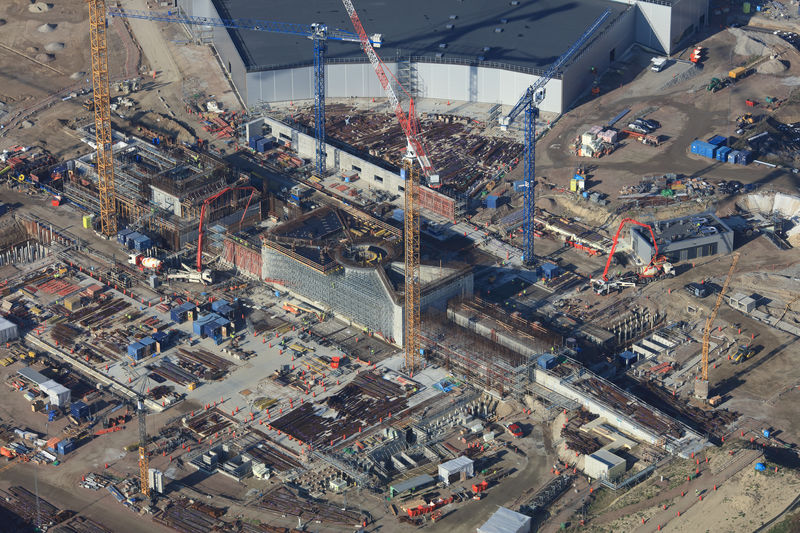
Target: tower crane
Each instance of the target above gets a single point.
(102, 117)
(318, 33)
(415, 150)
(529, 104)
(701, 386)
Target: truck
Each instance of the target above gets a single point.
(738, 73)
(658, 64)
(144, 262)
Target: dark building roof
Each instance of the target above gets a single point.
(534, 33)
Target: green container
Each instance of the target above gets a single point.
(746, 7)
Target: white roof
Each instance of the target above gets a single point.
(454, 465)
(6, 324)
(506, 521)
(32, 375)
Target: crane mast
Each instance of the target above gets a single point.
(415, 150)
(144, 461)
(701, 389)
(102, 116)
(529, 103)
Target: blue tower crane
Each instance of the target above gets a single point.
(318, 33)
(529, 103)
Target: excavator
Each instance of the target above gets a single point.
(657, 268)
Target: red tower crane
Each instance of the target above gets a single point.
(209, 200)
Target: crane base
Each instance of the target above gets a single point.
(701, 389)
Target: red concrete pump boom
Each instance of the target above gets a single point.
(616, 240)
(207, 201)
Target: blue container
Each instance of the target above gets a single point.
(216, 304)
(226, 311)
(122, 236)
(722, 153)
(549, 270)
(628, 357)
(178, 314)
(398, 214)
(718, 140)
(491, 201)
(745, 156)
(197, 325)
(546, 361)
(252, 142)
(131, 237)
(519, 185)
(703, 148)
(149, 345)
(79, 410)
(135, 350)
(733, 155)
(65, 446)
(142, 243)
(262, 145)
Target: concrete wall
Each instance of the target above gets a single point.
(305, 145)
(433, 80)
(165, 200)
(617, 420)
(688, 16)
(618, 37)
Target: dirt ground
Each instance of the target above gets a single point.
(181, 73)
(686, 111)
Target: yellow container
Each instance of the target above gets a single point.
(87, 221)
(191, 386)
(573, 185)
(737, 73)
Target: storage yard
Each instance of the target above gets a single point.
(266, 331)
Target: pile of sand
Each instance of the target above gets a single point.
(78, 75)
(47, 28)
(45, 58)
(39, 7)
(54, 47)
(772, 66)
(755, 44)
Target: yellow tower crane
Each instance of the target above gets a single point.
(102, 116)
(701, 386)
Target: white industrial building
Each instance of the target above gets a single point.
(448, 50)
(456, 466)
(8, 330)
(505, 520)
(603, 464)
(57, 394)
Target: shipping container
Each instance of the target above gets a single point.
(546, 361)
(122, 236)
(703, 149)
(87, 221)
(135, 350)
(519, 186)
(130, 237)
(722, 153)
(149, 346)
(733, 155)
(492, 201)
(718, 140)
(252, 142)
(745, 156)
(79, 410)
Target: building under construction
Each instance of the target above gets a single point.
(351, 264)
(161, 190)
